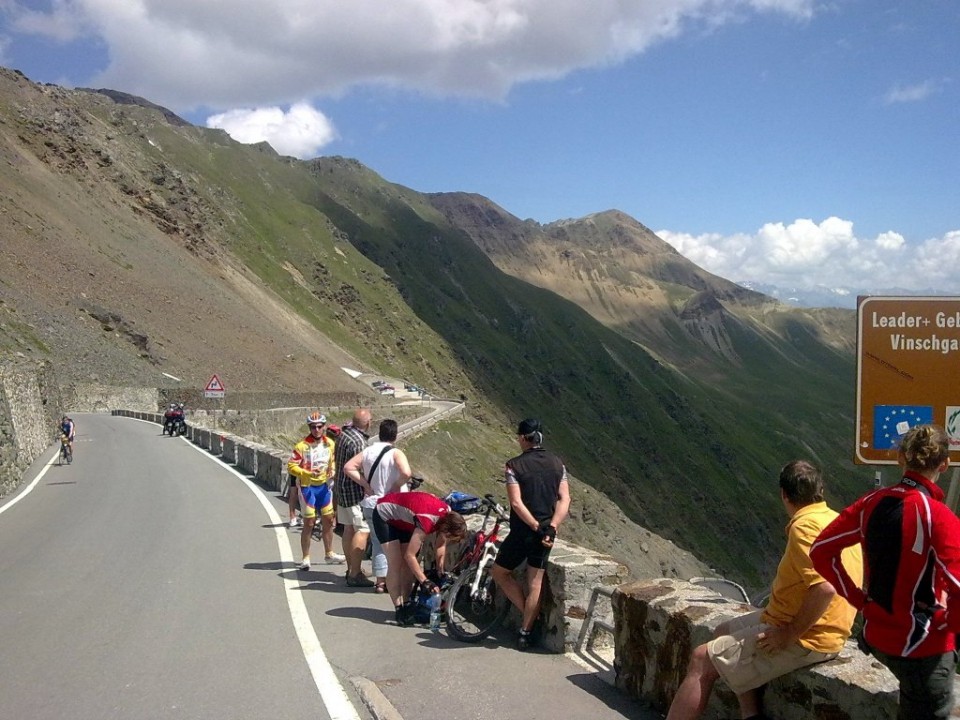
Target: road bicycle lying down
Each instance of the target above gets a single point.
(475, 606)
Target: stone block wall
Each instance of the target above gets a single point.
(246, 458)
(31, 405)
(201, 437)
(659, 622)
(229, 444)
(195, 400)
(91, 397)
(272, 469)
(572, 574)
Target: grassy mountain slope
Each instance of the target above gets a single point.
(669, 443)
(143, 245)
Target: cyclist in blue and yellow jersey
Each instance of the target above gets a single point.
(69, 430)
(313, 466)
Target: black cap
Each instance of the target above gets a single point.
(529, 426)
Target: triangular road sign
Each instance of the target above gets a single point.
(214, 385)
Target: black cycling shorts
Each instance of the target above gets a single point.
(523, 544)
(388, 533)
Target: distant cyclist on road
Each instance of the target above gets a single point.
(69, 431)
(539, 496)
(312, 464)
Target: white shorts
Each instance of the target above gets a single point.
(743, 667)
(353, 515)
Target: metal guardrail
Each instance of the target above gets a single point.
(589, 621)
(723, 586)
(431, 419)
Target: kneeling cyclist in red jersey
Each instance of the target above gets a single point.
(403, 521)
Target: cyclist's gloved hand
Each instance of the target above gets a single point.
(429, 587)
(547, 533)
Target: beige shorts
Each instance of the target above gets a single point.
(352, 515)
(743, 668)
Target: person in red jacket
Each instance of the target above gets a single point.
(910, 597)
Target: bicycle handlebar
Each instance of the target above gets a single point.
(491, 502)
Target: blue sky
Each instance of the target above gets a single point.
(793, 142)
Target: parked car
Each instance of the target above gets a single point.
(386, 390)
(377, 384)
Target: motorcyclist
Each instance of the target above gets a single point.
(173, 415)
(168, 416)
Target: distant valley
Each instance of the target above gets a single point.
(824, 297)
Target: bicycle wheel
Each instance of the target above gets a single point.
(472, 616)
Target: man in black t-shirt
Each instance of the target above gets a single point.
(539, 498)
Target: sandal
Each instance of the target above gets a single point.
(380, 587)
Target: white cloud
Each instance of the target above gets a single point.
(223, 54)
(807, 254)
(301, 131)
(911, 93)
(65, 21)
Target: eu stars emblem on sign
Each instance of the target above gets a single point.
(891, 422)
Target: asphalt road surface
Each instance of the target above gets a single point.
(149, 580)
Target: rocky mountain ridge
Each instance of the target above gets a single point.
(136, 249)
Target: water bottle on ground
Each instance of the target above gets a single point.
(434, 602)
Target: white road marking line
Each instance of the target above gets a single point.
(17, 498)
(334, 697)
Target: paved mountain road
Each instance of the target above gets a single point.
(148, 580)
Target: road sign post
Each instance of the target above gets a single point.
(908, 372)
(215, 389)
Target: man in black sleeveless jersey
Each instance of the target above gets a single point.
(539, 498)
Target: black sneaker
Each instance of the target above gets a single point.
(524, 641)
(539, 628)
(404, 615)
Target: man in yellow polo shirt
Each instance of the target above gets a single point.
(804, 623)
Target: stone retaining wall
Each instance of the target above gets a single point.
(658, 623)
(31, 405)
(194, 399)
(91, 397)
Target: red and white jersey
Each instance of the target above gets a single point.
(410, 510)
